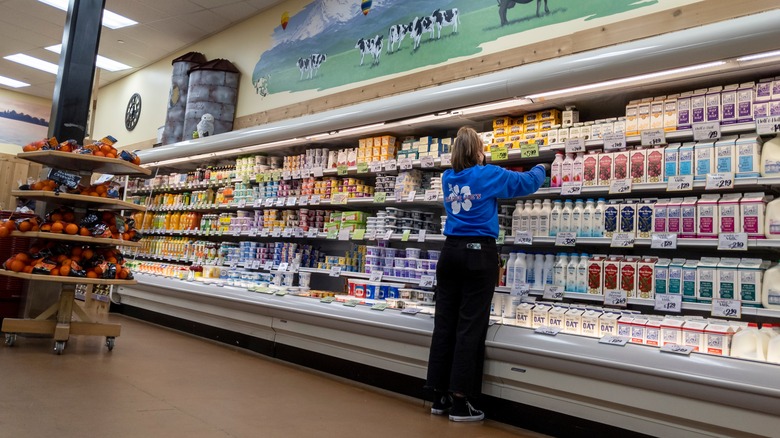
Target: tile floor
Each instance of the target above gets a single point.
(162, 383)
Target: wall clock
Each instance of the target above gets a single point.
(133, 112)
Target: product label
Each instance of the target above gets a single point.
(611, 273)
(750, 219)
(675, 280)
(605, 169)
(621, 166)
(688, 214)
(654, 166)
(746, 158)
(726, 284)
(673, 219)
(689, 284)
(729, 106)
(670, 168)
(644, 220)
(638, 166)
(651, 335)
(610, 219)
(627, 219)
(698, 105)
(771, 166)
(706, 283)
(686, 162)
(645, 281)
(773, 296)
(659, 214)
(589, 170)
(706, 219)
(594, 278)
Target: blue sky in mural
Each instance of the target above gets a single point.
(335, 28)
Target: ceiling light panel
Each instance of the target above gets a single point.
(111, 20)
(101, 61)
(29, 61)
(8, 82)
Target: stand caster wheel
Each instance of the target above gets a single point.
(110, 343)
(10, 339)
(58, 347)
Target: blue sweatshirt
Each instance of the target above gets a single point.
(470, 196)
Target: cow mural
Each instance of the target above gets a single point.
(396, 35)
(311, 66)
(447, 18)
(370, 46)
(503, 5)
(418, 27)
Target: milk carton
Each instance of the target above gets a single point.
(539, 314)
(728, 278)
(657, 113)
(675, 276)
(655, 165)
(628, 275)
(717, 338)
(745, 102)
(660, 215)
(644, 218)
(685, 159)
(688, 217)
(524, 315)
(586, 131)
(751, 208)
(748, 156)
(628, 217)
(638, 330)
(729, 213)
(661, 279)
(673, 224)
(596, 275)
(706, 278)
(620, 164)
(684, 111)
(637, 165)
(689, 280)
(611, 217)
(713, 104)
(726, 155)
(590, 168)
(608, 324)
(670, 113)
(590, 323)
(763, 90)
(653, 330)
(632, 119)
(612, 273)
(572, 321)
(671, 331)
(562, 135)
(704, 156)
(645, 277)
(760, 109)
(643, 114)
(693, 334)
(624, 325)
(671, 160)
(749, 285)
(728, 102)
(708, 224)
(555, 318)
(699, 106)
(605, 168)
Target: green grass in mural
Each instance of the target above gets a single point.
(476, 28)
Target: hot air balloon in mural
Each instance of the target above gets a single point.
(285, 20)
(365, 6)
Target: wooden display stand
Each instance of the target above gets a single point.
(58, 320)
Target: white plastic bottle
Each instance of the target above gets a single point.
(578, 168)
(555, 170)
(582, 274)
(772, 219)
(548, 271)
(529, 269)
(555, 217)
(571, 273)
(770, 157)
(770, 293)
(773, 350)
(539, 279)
(566, 168)
(516, 217)
(577, 217)
(510, 269)
(566, 213)
(748, 343)
(587, 218)
(598, 219)
(544, 218)
(559, 277)
(525, 216)
(520, 270)
(533, 221)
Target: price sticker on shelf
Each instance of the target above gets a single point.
(241, 203)
(529, 150)
(375, 166)
(362, 167)
(298, 232)
(620, 186)
(706, 131)
(358, 234)
(552, 292)
(501, 237)
(375, 276)
(663, 241)
(283, 267)
(268, 202)
(727, 308)
(668, 303)
(446, 159)
(286, 175)
(335, 271)
(296, 174)
(405, 163)
(258, 203)
(371, 235)
(520, 289)
(327, 300)
(316, 172)
(524, 238)
(280, 202)
(287, 232)
(619, 341)
(268, 265)
(379, 306)
(237, 233)
(677, 349)
(571, 188)
(291, 201)
(614, 141)
(615, 298)
(733, 241)
(351, 303)
(314, 200)
(679, 183)
(421, 236)
(255, 264)
(568, 238)
(549, 331)
(339, 198)
(768, 125)
(264, 232)
(276, 232)
(410, 311)
(719, 181)
(431, 195)
(312, 233)
(332, 234)
(574, 145)
(652, 137)
(498, 152)
(390, 165)
(427, 281)
(303, 201)
(233, 265)
(622, 240)
(342, 170)
(405, 235)
(410, 197)
(388, 235)
(427, 162)
(380, 197)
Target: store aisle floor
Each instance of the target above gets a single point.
(162, 383)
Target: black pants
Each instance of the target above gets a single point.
(466, 279)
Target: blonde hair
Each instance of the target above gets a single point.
(466, 149)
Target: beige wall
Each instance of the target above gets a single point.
(10, 149)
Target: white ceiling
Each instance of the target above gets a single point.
(164, 27)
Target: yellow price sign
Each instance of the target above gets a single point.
(530, 150)
(342, 170)
(498, 153)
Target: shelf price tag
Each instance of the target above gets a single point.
(549, 331)
(727, 308)
(410, 311)
(716, 181)
(421, 236)
(264, 232)
(241, 203)
(296, 174)
(653, 137)
(314, 200)
(276, 232)
(677, 349)
(339, 198)
(333, 233)
(520, 289)
(344, 235)
(316, 172)
(358, 234)
(287, 232)
(620, 341)
(379, 306)
(427, 281)
(574, 145)
(405, 163)
(622, 240)
(446, 159)
(255, 264)
(327, 300)
(237, 233)
(303, 201)
(390, 165)
(498, 153)
(269, 202)
(362, 167)
(571, 188)
(427, 162)
(663, 241)
(431, 195)
(768, 125)
(405, 235)
(312, 233)
(351, 303)
(668, 302)
(388, 235)
(529, 150)
(501, 237)
(615, 298)
(380, 197)
(524, 238)
(375, 166)
(706, 131)
(566, 239)
(620, 186)
(733, 241)
(283, 267)
(286, 175)
(291, 201)
(614, 141)
(552, 292)
(375, 276)
(342, 170)
(680, 183)
(335, 271)
(410, 197)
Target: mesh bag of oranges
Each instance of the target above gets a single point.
(59, 259)
(101, 148)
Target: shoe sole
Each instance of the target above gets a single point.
(439, 411)
(465, 419)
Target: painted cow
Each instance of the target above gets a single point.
(315, 62)
(503, 5)
(370, 46)
(304, 65)
(418, 27)
(446, 18)
(396, 35)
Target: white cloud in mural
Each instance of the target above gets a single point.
(321, 15)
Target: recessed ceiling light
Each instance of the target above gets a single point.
(110, 19)
(101, 61)
(29, 61)
(12, 82)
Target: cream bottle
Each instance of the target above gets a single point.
(539, 279)
(559, 276)
(516, 217)
(578, 167)
(567, 166)
(555, 171)
(533, 220)
(548, 269)
(566, 214)
(577, 217)
(598, 219)
(770, 291)
(525, 216)
(544, 218)
(555, 218)
(587, 218)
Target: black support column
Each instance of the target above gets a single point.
(80, 39)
